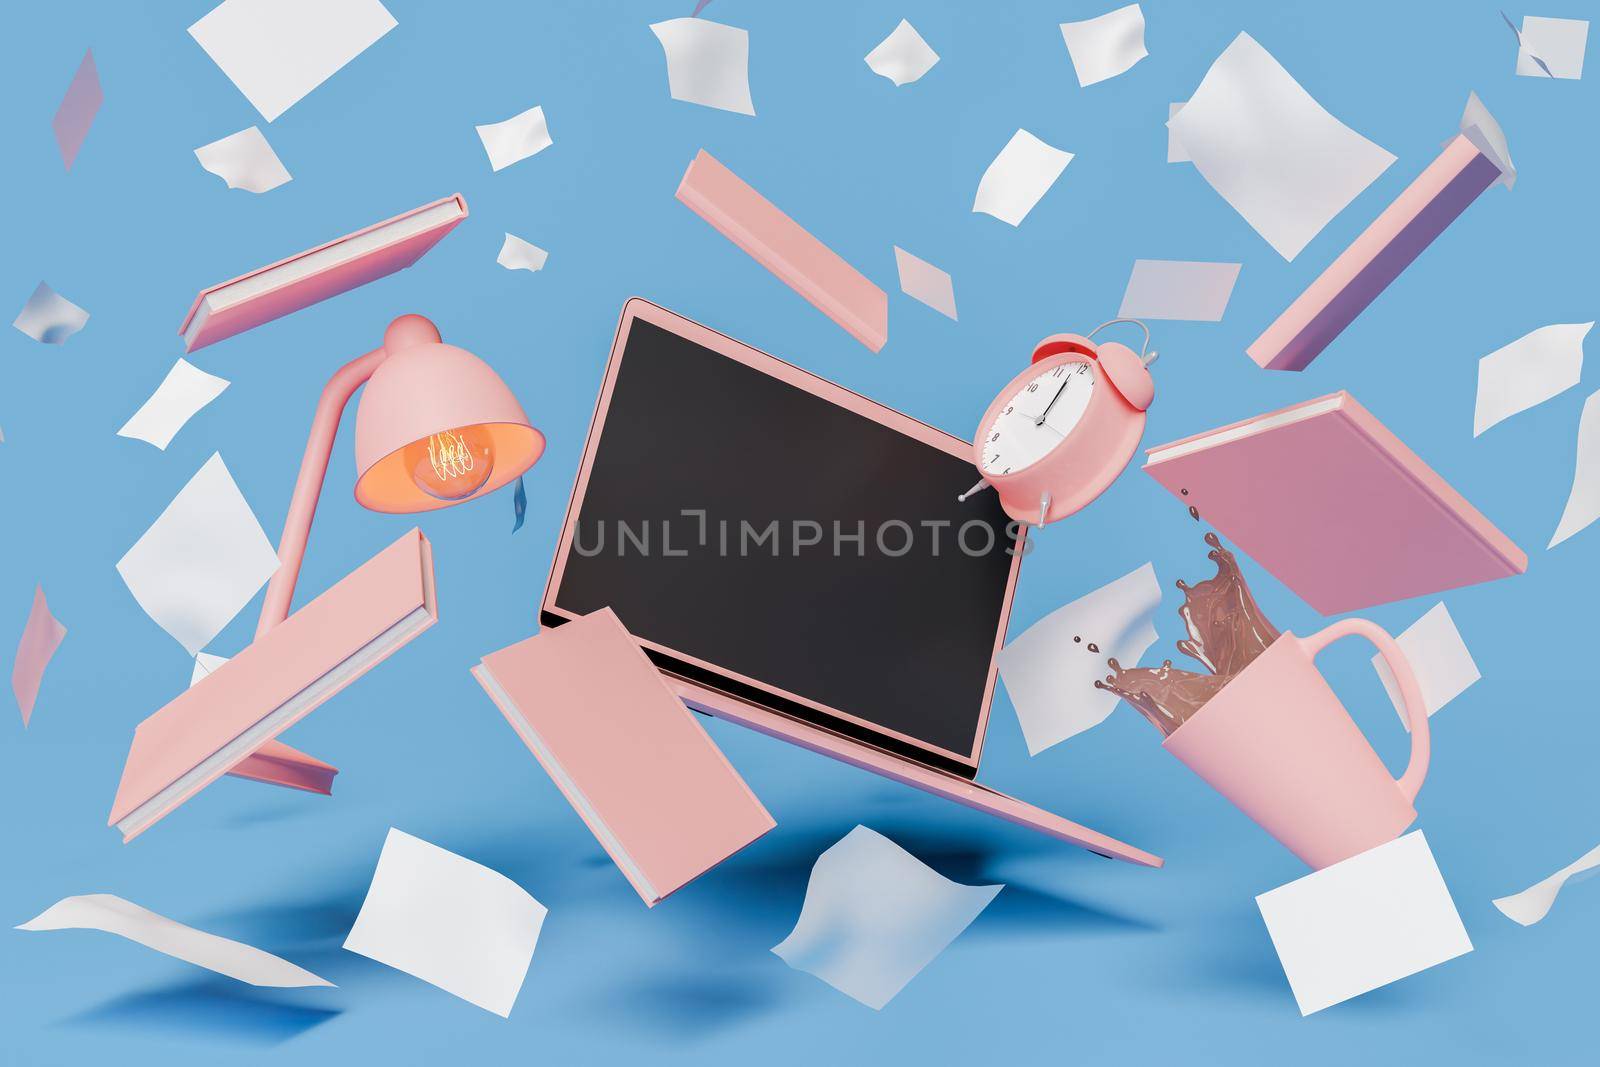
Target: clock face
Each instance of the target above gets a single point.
(1037, 417)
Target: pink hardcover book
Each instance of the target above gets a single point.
(652, 786)
(784, 247)
(248, 701)
(318, 273)
(1335, 506)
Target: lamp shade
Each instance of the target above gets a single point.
(424, 388)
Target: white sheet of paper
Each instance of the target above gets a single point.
(204, 664)
(1020, 175)
(1175, 152)
(277, 51)
(245, 161)
(903, 56)
(1363, 923)
(202, 561)
(49, 317)
(185, 390)
(874, 916)
(517, 254)
(1176, 289)
(1050, 672)
(1528, 371)
(516, 138)
(1559, 42)
(707, 63)
(1482, 129)
(113, 915)
(1535, 902)
(923, 281)
(1439, 658)
(453, 923)
(1583, 502)
(1107, 45)
(1270, 150)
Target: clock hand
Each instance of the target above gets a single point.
(1040, 420)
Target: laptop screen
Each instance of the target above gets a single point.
(766, 540)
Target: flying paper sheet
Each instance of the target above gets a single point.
(50, 317)
(245, 161)
(1528, 371)
(185, 390)
(707, 63)
(925, 282)
(202, 561)
(204, 664)
(1583, 502)
(40, 638)
(1480, 127)
(903, 56)
(516, 138)
(1270, 150)
(1020, 175)
(277, 51)
(517, 254)
(1174, 289)
(874, 916)
(1363, 923)
(78, 109)
(1438, 657)
(1051, 667)
(1534, 903)
(1105, 46)
(1175, 152)
(113, 915)
(448, 921)
(1558, 43)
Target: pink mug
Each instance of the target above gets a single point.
(1278, 743)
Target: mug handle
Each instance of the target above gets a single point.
(1410, 693)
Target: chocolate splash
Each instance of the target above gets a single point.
(1227, 631)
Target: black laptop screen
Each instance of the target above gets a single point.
(738, 519)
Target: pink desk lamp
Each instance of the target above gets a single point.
(435, 426)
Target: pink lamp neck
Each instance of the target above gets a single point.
(308, 486)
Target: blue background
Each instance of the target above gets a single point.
(1078, 959)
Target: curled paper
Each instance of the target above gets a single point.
(49, 317)
(1535, 902)
(903, 56)
(517, 254)
(1583, 501)
(1019, 177)
(707, 63)
(1528, 371)
(1107, 45)
(874, 916)
(245, 161)
(516, 138)
(113, 915)
(40, 638)
(185, 390)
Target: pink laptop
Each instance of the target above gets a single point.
(1335, 506)
(629, 757)
(791, 556)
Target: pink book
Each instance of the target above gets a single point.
(318, 273)
(784, 247)
(652, 786)
(248, 701)
(1335, 506)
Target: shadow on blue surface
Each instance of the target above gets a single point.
(684, 1007)
(214, 1008)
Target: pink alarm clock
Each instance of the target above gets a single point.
(1065, 428)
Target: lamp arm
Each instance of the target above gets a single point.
(308, 485)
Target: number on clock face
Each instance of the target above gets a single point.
(1037, 418)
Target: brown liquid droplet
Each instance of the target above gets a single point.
(1077, 640)
(1185, 492)
(1093, 647)
(1194, 513)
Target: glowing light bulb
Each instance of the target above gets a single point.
(452, 465)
